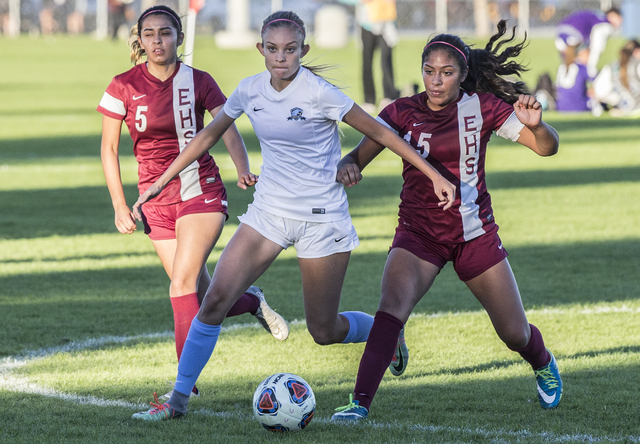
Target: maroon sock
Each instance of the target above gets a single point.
(248, 303)
(185, 308)
(535, 353)
(377, 356)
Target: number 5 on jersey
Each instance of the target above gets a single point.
(141, 119)
(423, 143)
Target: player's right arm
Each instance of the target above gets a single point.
(201, 143)
(125, 223)
(351, 165)
(238, 153)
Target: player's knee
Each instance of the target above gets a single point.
(322, 336)
(516, 337)
(181, 286)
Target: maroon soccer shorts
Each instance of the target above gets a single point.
(470, 259)
(160, 220)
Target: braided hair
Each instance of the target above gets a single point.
(487, 67)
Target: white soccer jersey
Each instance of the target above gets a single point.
(298, 132)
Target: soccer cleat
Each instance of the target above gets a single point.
(268, 318)
(352, 412)
(194, 394)
(159, 411)
(549, 384)
(400, 358)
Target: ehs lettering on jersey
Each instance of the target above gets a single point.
(469, 126)
(184, 118)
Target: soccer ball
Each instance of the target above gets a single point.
(284, 402)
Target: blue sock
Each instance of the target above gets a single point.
(359, 326)
(197, 350)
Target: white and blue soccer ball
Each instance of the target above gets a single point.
(284, 402)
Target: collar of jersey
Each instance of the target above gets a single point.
(290, 87)
(151, 77)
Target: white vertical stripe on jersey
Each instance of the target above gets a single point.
(469, 126)
(112, 104)
(185, 120)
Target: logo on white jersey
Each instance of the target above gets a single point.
(138, 97)
(296, 114)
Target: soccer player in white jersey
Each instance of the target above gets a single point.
(298, 201)
(466, 100)
(163, 101)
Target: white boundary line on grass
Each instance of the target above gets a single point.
(13, 383)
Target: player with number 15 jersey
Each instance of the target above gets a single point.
(454, 140)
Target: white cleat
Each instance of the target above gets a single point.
(268, 318)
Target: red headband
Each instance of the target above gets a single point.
(304, 34)
(449, 44)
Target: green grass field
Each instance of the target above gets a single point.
(86, 319)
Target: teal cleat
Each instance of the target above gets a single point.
(400, 358)
(159, 412)
(549, 384)
(352, 412)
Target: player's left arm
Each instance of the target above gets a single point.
(238, 153)
(536, 135)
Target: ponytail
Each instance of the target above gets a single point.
(136, 50)
(487, 67)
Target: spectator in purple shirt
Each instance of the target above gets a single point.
(589, 27)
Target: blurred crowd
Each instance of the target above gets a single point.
(581, 39)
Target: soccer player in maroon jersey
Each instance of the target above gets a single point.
(467, 98)
(163, 102)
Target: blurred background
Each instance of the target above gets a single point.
(113, 18)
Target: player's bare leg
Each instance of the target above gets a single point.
(497, 291)
(322, 280)
(245, 258)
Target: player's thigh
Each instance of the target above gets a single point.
(322, 280)
(496, 289)
(405, 280)
(196, 235)
(245, 258)
(166, 251)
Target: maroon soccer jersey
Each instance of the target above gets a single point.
(454, 141)
(162, 116)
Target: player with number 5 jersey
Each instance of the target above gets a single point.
(163, 102)
(467, 99)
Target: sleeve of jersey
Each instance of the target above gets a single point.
(234, 107)
(387, 118)
(507, 123)
(333, 102)
(112, 104)
(213, 96)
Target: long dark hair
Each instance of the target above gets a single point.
(289, 19)
(487, 67)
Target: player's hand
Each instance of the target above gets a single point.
(349, 175)
(125, 223)
(151, 192)
(247, 180)
(445, 191)
(528, 111)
